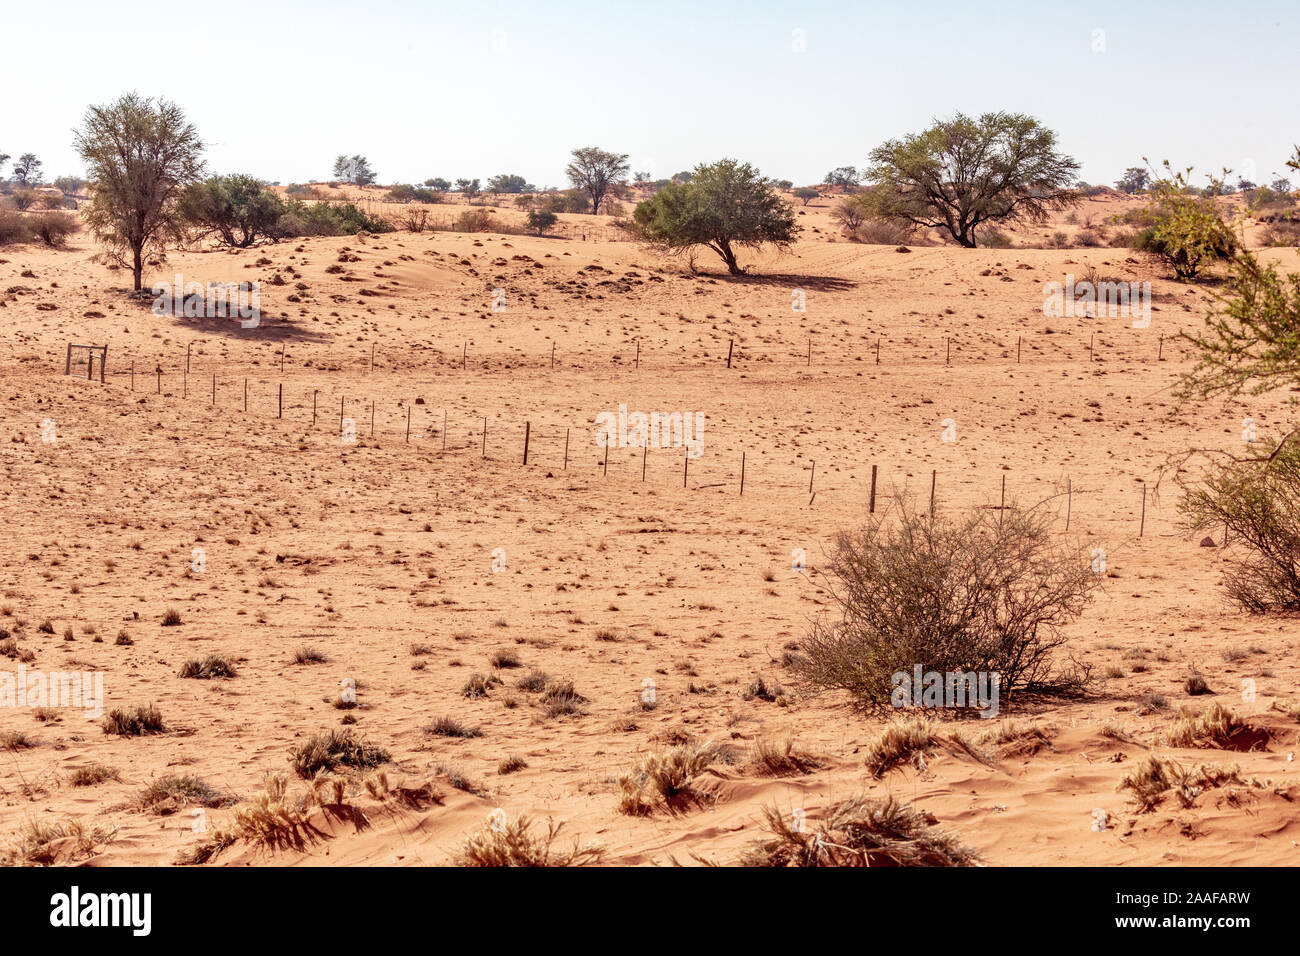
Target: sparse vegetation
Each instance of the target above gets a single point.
(334, 749)
(133, 721)
(859, 832)
(980, 593)
(512, 844)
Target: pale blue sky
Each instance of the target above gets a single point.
(472, 89)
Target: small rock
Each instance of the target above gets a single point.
(1207, 542)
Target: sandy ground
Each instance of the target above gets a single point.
(365, 549)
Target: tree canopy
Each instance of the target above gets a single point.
(238, 209)
(354, 169)
(961, 173)
(724, 206)
(139, 155)
(595, 171)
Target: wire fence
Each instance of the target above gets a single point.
(533, 442)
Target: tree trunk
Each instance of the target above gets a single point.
(137, 265)
(729, 258)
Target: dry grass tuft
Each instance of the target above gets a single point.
(167, 795)
(778, 758)
(664, 777)
(214, 665)
(93, 774)
(859, 832)
(133, 721)
(44, 844)
(451, 727)
(1154, 777)
(899, 742)
(334, 749)
(1217, 727)
(511, 844)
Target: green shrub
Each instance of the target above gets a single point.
(541, 221)
(238, 209)
(1186, 232)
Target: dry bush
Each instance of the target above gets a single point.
(664, 777)
(54, 228)
(859, 832)
(209, 667)
(883, 232)
(93, 774)
(1017, 733)
(1258, 502)
(309, 655)
(15, 227)
(560, 699)
(511, 844)
(416, 220)
(1090, 237)
(450, 727)
(45, 844)
(1155, 777)
(849, 215)
(1285, 233)
(504, 659)
(273, 818)
(336, 748)
(167, 795)
(984, 593)
(478, 685)
(1217, 727)
(779, 758)
(512, 764)
(133, 721)
(898, 741)
(476, 220)
(534, 682)
(11, 740)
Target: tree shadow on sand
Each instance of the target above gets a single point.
(268, 328)
(789, 281)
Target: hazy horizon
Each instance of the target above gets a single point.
(424, 91)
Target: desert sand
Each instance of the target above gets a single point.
(365, 550)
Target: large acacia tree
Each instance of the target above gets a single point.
(595, 171)
(724, 206)
(139, 156)
(964, 172)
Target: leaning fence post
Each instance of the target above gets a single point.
(871, 506)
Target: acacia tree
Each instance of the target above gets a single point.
(469, 188)
(1134, 180)
(354, 169)
(139, 155)
(963, 172)
(843, 177)
(27, 170)
(1187, 231)
(725, 205)
(1251, 340)
(595, 171)
(238, 209)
